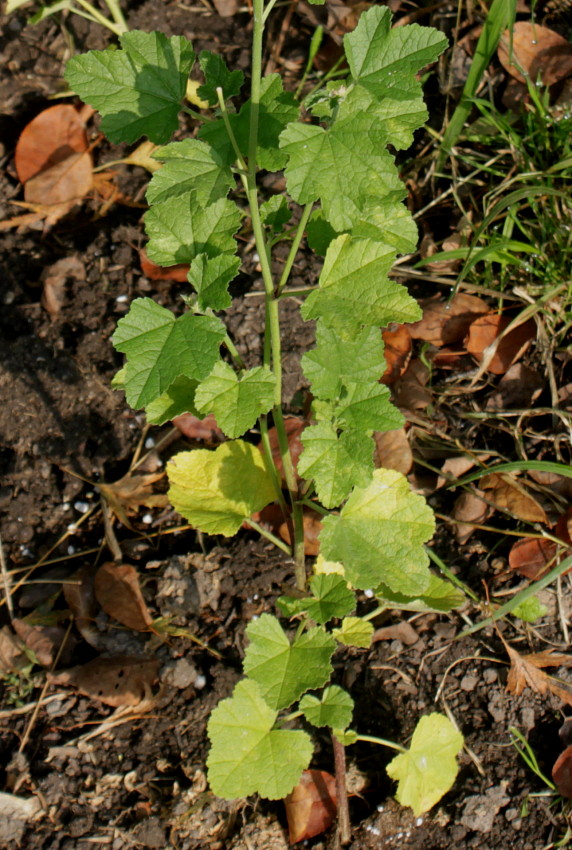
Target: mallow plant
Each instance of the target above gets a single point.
(345, 198)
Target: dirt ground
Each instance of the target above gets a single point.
(111, 778)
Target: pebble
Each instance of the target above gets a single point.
(81, 507)
(490, 675)
(469, 683)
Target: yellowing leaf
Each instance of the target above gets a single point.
(216, 491)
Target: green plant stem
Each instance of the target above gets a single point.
(306, 213)
(96, 15)
(231, 347)
(267, 448)
(231, 136)
(117, 14)
(383, 742)
(196, 115)
(269, 536)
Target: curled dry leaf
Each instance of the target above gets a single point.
(535, 52)
(131, 492)
(469, 510)
(447, 322)
(55, 278)
(117, 591)
(411, 391)
(152, 271)
(392, 450)
(397, 352)
(312, 528)
(205, 430)
(312, 806)
(562, 773)
(80, 597)
(508, 494)
(124, 680)
(526, 671)
(48, 643)
(483, 335)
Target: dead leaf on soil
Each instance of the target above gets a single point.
(15, 812)
(124, 680)
(55, 278)
(80, 597)
(565, 396)
(51, 137)
(494, 351)
(526, 671)
(402, 631)
(562, 773)
(411, 392)
(508, 494)
(152, 271)
(531, 557)
(226, 8)
(312, 806)
(455, 467)
(518, 387)
(392, 450)
(204, 430)
(557, 483)
(535, 52)
(12, 655)
(312, 528)
(46, 642)
(397, 352)
(118, 592)
(468, 511)
(132, 492)
(447, 322)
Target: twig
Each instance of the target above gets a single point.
(6, 580)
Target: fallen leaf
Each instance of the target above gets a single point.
(117, 591)
(51, 137)
(565, 396)
(12, 655)
(226, 8)
(397, 352)
(63, 184)
(152, 271)
(560, 484)
(55, 278)
(497, 355)
(469, 510)
(15, 812)
(124, 680)
(532, 557)
(205, 430)
(411, 392)
(536, 52)
(402, 631)
(447, 322)
(509, 494)
(526, 671)
(562, 773)
(563, 527)
(46, 642)
(312, 806)
(392, 450)
(80, 597)
(455, 467)
(312, 528)
(131, 492)
(518, 387)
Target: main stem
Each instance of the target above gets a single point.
(272, 353)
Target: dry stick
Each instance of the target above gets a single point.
(344, 827)
(6, 580)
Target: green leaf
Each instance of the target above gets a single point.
(217, 75)
(236, 402)
(334, 709)
(368, 407)
(531, 610)
(190, 166)
(277, 109)
(216, 491)
(428, 769)
(379, 535)
(354, 289)
(439, 595)
(161, 348)
(387, 221)
(396, 115)
(331, 598)
(319, 233)
(284, 670)
(337, 361)
(347, 737)
(354, 632)
(341, 166)
(176, 400)
(335, 462)
(275, 213)
(211, 278)
(180, 229)
(247, 754)
(138, 90)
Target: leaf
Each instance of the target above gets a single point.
(367, 408)
(247, 754)
(428, 769)
(440, 596)
(138, 90)
(55, 278)
(177, 400)
(275, 213)
(392, 450)
(330, 598)
(334, 708)
(51, 137)
(526, 671)
(447, 322)
(535, 52)
(47, 643)
(154, 272)
(312, 522)
(386, 220)
(311, 807)
(132, 491)
(562, 773)
(469, 511)
(204, 430)
(397, 351)
(117, 591)
(379, 535)
(531, 610)
(62, 185)
(509, 494)
(335, 462)
(13, 657)
(216, 491)
(483, 336)
(190, 166)
(211, 278)
(354, 632)
(161, 348)
(237, 402)
(180, 229)
(338, 361)
(354, 289)
(217, 75)
(80, 598)
(284, 670)
(319, 233)
(123, 680)
(531, 557)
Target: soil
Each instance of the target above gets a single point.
(113, 778)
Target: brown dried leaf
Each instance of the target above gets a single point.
(312, 528)
(124, 680)
(402, 631)
(557, 483)
(46, 642)
(226, 8)
(497, 355)
(117, 591)
(456, 467)
(65, 182)
(535, 52)
(312, 806)
(50, 138)
(469, 509)
(562, 773)
(531, 557)
(526, 671)
(12, 655)
(199, 429)
(508, 494)
(447, 322)
(152, 271)
(392, 450)
(397, 352)
(410, 391)
(132, 492)
(80, 598)
(519, 387)
(55, 277)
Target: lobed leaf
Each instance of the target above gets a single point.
(138, 90)
(335, 462)
(247, 754)
(354, 631)
(211, 278)
(236, 402)
(217, 75)
(439, 595)
(177, 399)
(338, 360)
(189, 167)
(275, 213)
(334, 708)
(331, 597)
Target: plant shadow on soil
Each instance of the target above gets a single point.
(142, 783)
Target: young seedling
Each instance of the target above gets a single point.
(346, 197)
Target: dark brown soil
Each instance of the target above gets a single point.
(141, 781)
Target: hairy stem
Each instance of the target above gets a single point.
(344, 827)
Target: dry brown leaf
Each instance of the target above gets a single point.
(65, 182)
(12, 655)
(508, 494)
(312, 528)
(565, 396)
(55, 278)
(132, 492)
(294, 428)
(392, 450)
(80, 598)
(124, 680)
(226, 8)
(411, 392)
(51, 137)
(152, 271)
(557, 483)
(519, 387)
(117, 591)
(447, 322)
(535, 52)
(469, 510)
(397, 352)
(483, 335)
(194, 428)
(531, 557)
(402, 631)
(562, 773)
(456, 467)
(312, 806)
(526, 671)
(46, 642)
